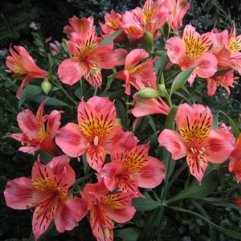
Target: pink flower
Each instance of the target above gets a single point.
(154, 15)
(226, 81)
(192, 51)
(196, 140)
(234, 46)
(47, 192)
(38, 131)
(132, 24)
(113, 22)
(131, 167)
(235, 160)
(105, 209)
(94, 132)
(78, 28)
(178, 8)
(137, 74)
(89, 58)
(144, 107)
(23, 66)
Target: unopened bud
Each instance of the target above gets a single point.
(148, 93)
(46, 86)
(148, 41)
(162, 90)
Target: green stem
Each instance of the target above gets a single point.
(56, 82)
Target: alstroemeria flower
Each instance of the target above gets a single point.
(177, 8)
(233, 44)
(138, 74)
(226, 81)
(23, 66)
(192, 51)
(196, 140)
(132, 167)
(154, 15)
(94, 132)
(38, 131)
(47, 192)
(235, 160)
(89, 58)
(78, 28)
(132, 24)
(144, 107)
(106, 208)
(113, 22)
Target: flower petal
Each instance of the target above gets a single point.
(173, 143)
(220, 145)
(19, 193)
(70, 140)
(151, 174)
(69, 71)
(70, 213)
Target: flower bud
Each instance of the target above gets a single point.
(148, 41)
(148, 93)
(46, 86)
(162, 90)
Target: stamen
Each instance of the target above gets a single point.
(96, 141)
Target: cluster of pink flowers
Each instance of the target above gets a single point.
(96, 135)
(216, 55)
(121, 164)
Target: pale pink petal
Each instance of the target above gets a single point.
(28, 123)
(70, 140)
(69, 71)
(212, 86)
(194, 116)
(69, 214)
(220, 145)
(63, 172)
(43, 215)
(53, 122)
(144, 107)
(17, 136)
(41, 171)
(175, 50)
(134, 57)
(197, 164)
(122, 215)
(19, 193)
(29, 149)
(207, 65)
(151, 174)
(22, 86)
(105, 57)
(108, 173)
(173, 142)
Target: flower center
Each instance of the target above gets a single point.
(234, 45)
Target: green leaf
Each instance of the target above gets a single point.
(110, 38)
(128, 234)
(145, 204)
(160, 63)
(181, 79)
(51, 101)
(221, 72)
(29, 92)
(228, 232)
(196, 190)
